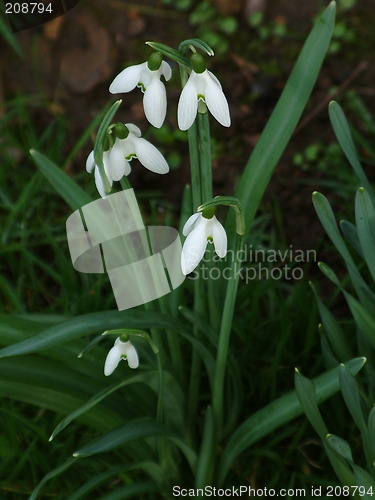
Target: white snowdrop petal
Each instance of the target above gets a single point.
(127, 80)
(220, 238)
(194, 248)
(213, 77)
(112, 360)
(127, 168)
(107, 168)
(150, 156)
(117, 162)
(217, 102)
(155, 103)
(165, 70)
(90, 162)
(131, 356)
(189, 224)
(99, 183)
(187, 105)
(133, 129)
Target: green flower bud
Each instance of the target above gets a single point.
(208, 213)
(121, 131)
(154, 61)
(197, 63)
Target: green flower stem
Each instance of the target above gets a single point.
(206, 183)
(195, 166)
(205, 155)
(225, 331)
(125, 184)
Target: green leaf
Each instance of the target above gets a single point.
(350, 232)
(350, 392)
(363, 478)
(365, 221)
(173, 54)
(330, 274)
(135, 490)
(98, 147)
(198, 44)
(74, 196)
(94, 482)
(307, 398)
(327, 219)
(278, 413)
(334, 332)
(55, 472)
(285, 116)
(10, 38)
(345, 139)
(137, 429)
(340, 446)
(205, 460)
(88, 324)
(365, 320)
(95, 400)
(371, 432)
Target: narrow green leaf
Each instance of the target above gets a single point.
(95, 400)
(198, 44)
(173, 54)
(135, 490)
(345, 139)
(365, 320)
(91, 323)
(329, 273)
(94, 482)
(98, 147)
(340, 446)
(363, 478)
(307, 398)
(350, 232)
(340, 456)
(371, 433)
(9, 37)
(327, 219)
(334, 332)
(74, 196)
(285, 116)
(205, 460)
(55, 472)
(350, 393)
(365, 221)
(136, 429)
(278, 413)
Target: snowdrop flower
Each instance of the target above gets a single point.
(121, 350)
(199, 230)
(116, 159)
(201, 85)
(147, 76)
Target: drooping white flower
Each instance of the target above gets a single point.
(206, 87)
(120, 350)
(199, 231)
(147, 76)
(116, 159)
